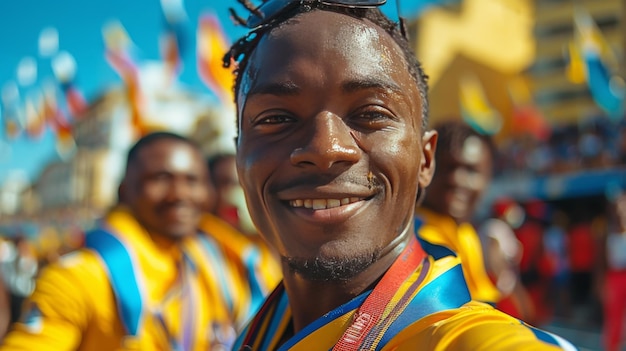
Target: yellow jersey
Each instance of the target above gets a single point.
(153, 295)
(259, 264)
(462, 241)
(430, 311)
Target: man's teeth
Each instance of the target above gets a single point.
(321, 204)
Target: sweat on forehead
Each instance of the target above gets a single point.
(243, 50)
(338, 38)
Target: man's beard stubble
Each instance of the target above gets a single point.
(331, 269)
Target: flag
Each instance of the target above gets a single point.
(74, 99)
(118, 51)
(58, 122)
(212, 45)
(607, 89)
(476, 109)
(12, 115)
(54, 115)
(64, 69)
(172, 41)
(575, 69)
(35, 123)
(12, 128)
(526, 116)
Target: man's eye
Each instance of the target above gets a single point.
(273, 119)
(372, 118)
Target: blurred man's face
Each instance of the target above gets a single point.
(330, 142)
(167, 188)
(461, 177)
(231, 203)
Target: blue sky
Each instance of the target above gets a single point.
(79, 24)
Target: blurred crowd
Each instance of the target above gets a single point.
(593, 144)
(23, 255)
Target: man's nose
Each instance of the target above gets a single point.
(179, 189)
(329, 142)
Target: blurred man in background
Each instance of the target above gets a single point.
(147, 280)
(230, 202)
(464, 169)
(231, 226)
(490, 263)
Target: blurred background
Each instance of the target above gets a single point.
(80, 81)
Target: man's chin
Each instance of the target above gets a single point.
(330, 269)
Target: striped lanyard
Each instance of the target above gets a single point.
(187, 295)
(380, 299)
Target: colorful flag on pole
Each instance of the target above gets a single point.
(58, 122)
(12, 112)
(526, 116)
(212, 45)
(172, 41)
(76, 102)
(64, 69)
(607, 89)
(119, 56)
(575, 70)
(476, 109)
(35, 122)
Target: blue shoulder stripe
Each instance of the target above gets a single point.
(122, 276)
(437, 251)
(447, 291)
(552, 339)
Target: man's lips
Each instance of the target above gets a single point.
(323, 204)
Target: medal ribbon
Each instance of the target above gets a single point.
(370, 312)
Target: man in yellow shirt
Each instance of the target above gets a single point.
(234, 231)
(331, 151)
(146, 280)
(464, 169)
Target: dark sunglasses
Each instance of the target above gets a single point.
(272, 8)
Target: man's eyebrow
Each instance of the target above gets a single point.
(275, 88)
(370, 83)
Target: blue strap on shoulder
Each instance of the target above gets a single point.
(437, 251)
(122, 276)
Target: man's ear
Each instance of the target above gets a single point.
(427, 163)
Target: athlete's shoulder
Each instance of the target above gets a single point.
(478, 326)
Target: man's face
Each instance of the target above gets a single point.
(167, 188)
(460, 179)
(225, 179)
(330, 143)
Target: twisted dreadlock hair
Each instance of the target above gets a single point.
(242, 49)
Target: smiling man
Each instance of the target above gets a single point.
(147, 279)
(332, 150)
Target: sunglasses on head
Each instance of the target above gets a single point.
(272, 8)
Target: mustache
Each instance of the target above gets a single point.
(366, 180)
